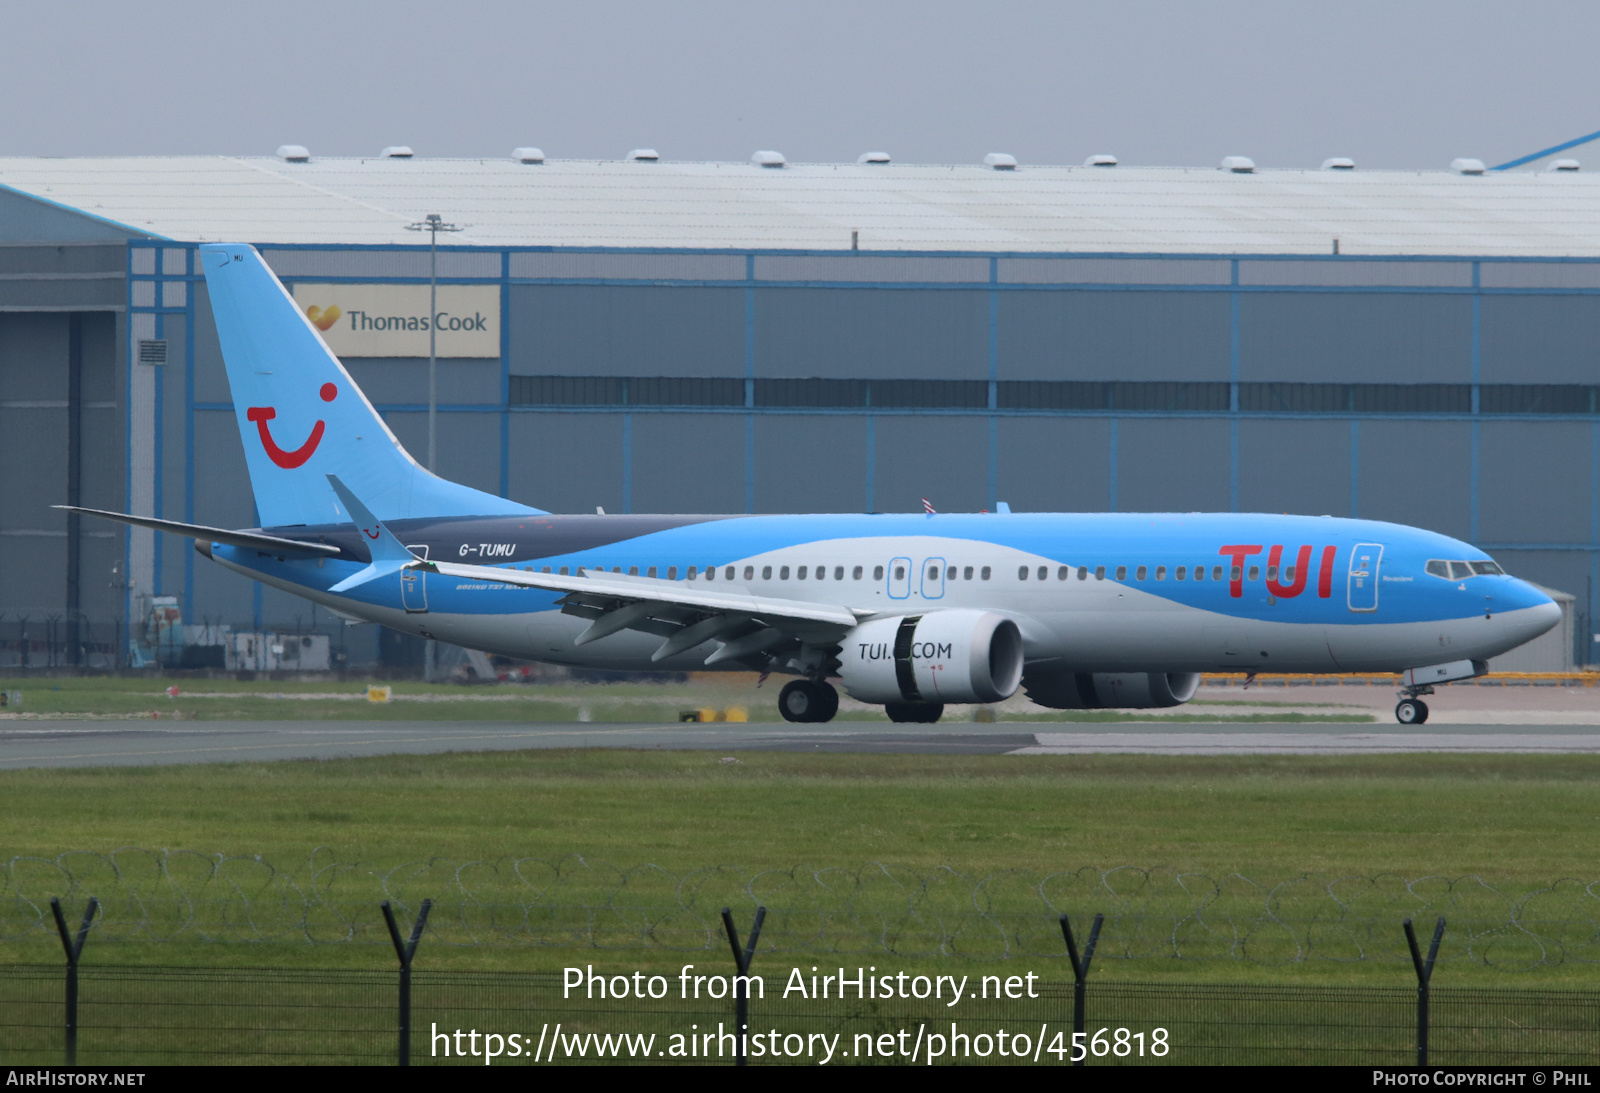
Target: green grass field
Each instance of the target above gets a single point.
(1518, 822)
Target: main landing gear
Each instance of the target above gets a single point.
(808, 701)
(1412, 710)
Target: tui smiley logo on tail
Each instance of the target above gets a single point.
(289, 460)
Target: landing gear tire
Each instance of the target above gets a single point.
(1411, 711)
(922, 713)
(808, 701)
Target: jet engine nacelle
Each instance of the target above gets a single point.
(943, 656)
(1111, 690)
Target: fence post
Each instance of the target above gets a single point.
(405, 950)
(1424, 974)
(73, 947)
(741, 987)
(1080, 978)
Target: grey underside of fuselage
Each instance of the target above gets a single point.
(1126, 632)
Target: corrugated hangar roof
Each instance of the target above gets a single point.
(587, 203)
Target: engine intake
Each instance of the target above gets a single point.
(943, 656)
(1111, 690)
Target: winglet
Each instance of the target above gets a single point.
(389, 554)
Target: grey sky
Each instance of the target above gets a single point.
(1393, 84)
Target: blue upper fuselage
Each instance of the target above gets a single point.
(1255, 566)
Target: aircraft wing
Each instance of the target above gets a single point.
(270, 544)
(685, 614)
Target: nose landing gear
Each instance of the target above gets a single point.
(808, 701)
(1411, 709)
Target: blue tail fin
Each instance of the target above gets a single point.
(303, 418)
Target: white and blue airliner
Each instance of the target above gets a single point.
(910, 611)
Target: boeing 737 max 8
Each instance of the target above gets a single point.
(910, 611)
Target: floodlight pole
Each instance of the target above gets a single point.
(433, 224)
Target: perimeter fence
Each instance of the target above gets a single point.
(133, 1016)
(878, 909)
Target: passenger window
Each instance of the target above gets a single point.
(563, 571)
(966, 574)
(1139, 573)
(1122, 572)
(633, 571)
(1099, 572)
(1459, 571)
(546, 569)
(672, 572)
(1022, 573)
(711, 572)
(899, 573)
(616, 569)
(651, 572)
(877, 572)
(1063, 573)
(1216, 572)
(1487, 569)
(749, 572)
(783, 573)
(822, 572)
(1438, 568)
(855, 574)
(727, 574)
(1200, 573)
(1182, 573)
(1288, 573)
(1255, 573)
(690, 575)
(1233, 573)
(1083, 573)
(800, 573)
(1272, 572)
(933, 573)
(766, 573)
(984, 573)
(1161, 572)
(838, 572)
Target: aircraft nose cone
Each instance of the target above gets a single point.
(1529, 612)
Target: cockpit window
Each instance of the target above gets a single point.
(1460, 571)
(1439, 569)
(1488, 569)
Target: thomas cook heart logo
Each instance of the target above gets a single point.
(323, 317)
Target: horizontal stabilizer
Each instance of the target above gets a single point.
(254, 539)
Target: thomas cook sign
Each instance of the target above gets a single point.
(393, 320)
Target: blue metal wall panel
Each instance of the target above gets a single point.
(1354, 337)
(810, 463)
(469, 445)
(1533, 482)
(404, 381)
(876, 333)
(1541, 339)
(1053, 464)
(688, 463)
(1418, 473)
(1067, 335)
(626, 330)
(566, 462)
(945, 459)
(1294, 466)
(1172, 466)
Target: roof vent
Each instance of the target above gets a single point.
(768, 159)
(1339, 163)
(642, 155)
(1563, 165)
(293, 153)
(1239, 165)
(396, 151)
(528, 155)
(873, 157)
(1102, 160)
(1000, 161)
(1467, 166)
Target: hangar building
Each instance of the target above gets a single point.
(652, 336)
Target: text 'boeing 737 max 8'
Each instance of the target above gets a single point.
(1118, 610)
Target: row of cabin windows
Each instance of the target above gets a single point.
(1181, 573)
(952, 573)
